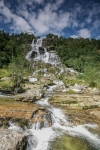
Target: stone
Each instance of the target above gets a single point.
(95, 91)
(59, 88)
(31, 79)
(12, 140)
(30, 95)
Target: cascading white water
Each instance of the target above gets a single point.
(46, 57)
(40, 138)
(59, 121)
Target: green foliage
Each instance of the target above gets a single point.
(81, 54)
(73, 81)
(90, 107)
(60, 77)
(13, 45)
(18, 68)
(4, 72)
(91, 75)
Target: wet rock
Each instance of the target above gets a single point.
(12, 140)
(41, 118)
(4, 122)
(76, 88)
(30, 95)
(45, 87)
(21, 122)
(41, 108)
(31, 79)
(95, 91)
(32, 142)
(76, 100)
(38, 93)
(59, 87)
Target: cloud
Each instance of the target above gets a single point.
(85, 33)
(43, 17)
(39, 1)
(48, 19)
(45, 20)
(18, 24)
(98, 37)
(96, 24)
(74, 36)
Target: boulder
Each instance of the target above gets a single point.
(59, 88)
(34, 94)
(12, 140)
(33, 79)
(30, 95)
(95, 91)
(77, 88)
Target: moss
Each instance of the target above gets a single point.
(23, 122)
(5, 84)
(67, 142)
(73, 81)
(71, 91)
(4, 72)
(90, 107)
(66, 102)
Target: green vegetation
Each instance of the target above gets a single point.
(13, 49)
(66, 142)
(81, 54)
(90, 107)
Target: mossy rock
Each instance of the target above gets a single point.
(66, 142)
(90, 107)
(22, 122)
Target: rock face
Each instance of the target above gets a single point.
(78, 101)
(12, 140)
(41, 118)
(31, 95)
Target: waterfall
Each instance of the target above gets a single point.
(44, 135)
(39, 53)
(53, 123)
(60, 125)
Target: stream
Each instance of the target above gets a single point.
(61, 130)
(60, 126)
(56, 132)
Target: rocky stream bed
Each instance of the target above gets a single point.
(50, 115)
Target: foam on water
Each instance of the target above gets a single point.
(59, 120)
(41, 137)
(47, 57)
(43, 102)
(13, 126)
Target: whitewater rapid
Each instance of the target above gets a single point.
(43, 137)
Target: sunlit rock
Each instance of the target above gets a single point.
(12, 140)
(31, 79)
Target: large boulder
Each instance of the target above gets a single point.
(78, 88)
(34, 94)
(12, 140)
(30, 95)
(59, 88)
(95, 91)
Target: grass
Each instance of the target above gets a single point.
(90, 107)
(5, 85)
(73, 81)
(4, 72)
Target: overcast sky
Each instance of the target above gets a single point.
(69, 18)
